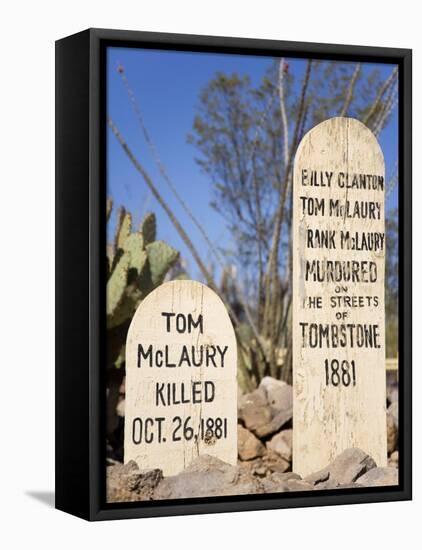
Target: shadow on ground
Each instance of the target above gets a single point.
(45, 497)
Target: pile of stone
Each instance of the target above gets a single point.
(208, 476)
(265, 428)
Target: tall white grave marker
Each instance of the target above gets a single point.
(338, 295)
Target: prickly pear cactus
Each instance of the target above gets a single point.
(136, 264)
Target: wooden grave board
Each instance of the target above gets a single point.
(338, 295)
(181, 386)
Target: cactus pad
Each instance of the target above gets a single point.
(161, 258)
(149, 228)
(117, 283)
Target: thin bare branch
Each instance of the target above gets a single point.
(281, 72)
(275, 243)
(272, 271)
(249, 317)
(386, 111)
(258, 128)
(258, 221)
(350, 90)
(392, 182)
(380, 95)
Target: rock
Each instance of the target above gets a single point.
(144, 481)
(377, 477)
(254, 411)
(393, 411)
(333, 484)
(344, 469)
(248, 446)
(279, 482)
(286, 476)
(123, 469)
(268, 383)
(393, 461)
(299, 485)
(392, 433)
(207, 463)
(279, 466)
(327, 484)
(318, 477)
(208, 476)
(275, 424)
(260, 471)
(266, 465)
(281, 444)
(272, 486)
(276, 463)
(349, 465)
(392, 394)
(127, 483)
(261, 417)
(279, 394)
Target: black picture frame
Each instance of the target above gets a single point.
(80, 273)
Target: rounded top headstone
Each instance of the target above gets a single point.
(181, 389)
(339, 246)
(326, 140)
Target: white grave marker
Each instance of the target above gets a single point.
(181, 389)
(338, 295)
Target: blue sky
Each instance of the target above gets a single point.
(167, 86)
